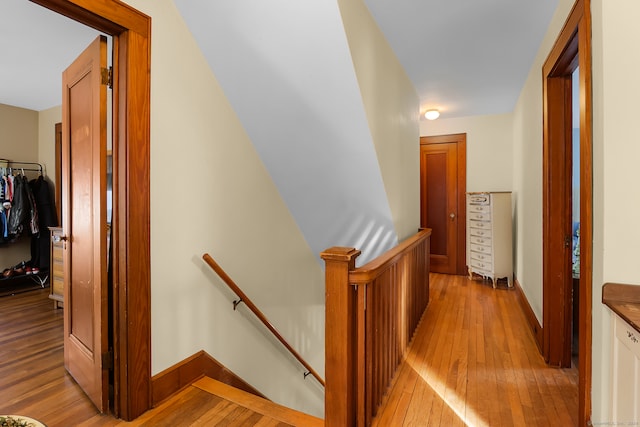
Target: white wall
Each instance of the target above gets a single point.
(616, 153)
(18, 142)
(47, 120)
(489, 148)
(210, 192)
(18, 134)
(391, 110)
(288, 74)
(527, 163)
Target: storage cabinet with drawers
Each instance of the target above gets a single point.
(623, 302)
(625, 397)
(489, 231)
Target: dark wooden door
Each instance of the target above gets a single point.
(84, 104)
(442, 195)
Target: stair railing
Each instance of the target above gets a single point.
(256, 311)
(371, 315)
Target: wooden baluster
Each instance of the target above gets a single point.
(361, 355)
(340, 319)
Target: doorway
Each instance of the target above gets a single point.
(443, 183)
(571, 52)
(130, 239)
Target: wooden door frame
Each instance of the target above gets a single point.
(572, 49)
(461, 239)
(131, 32)
(58, 172)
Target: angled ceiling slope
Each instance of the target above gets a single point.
(465, 57)
(288, 74)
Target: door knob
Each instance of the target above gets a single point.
(59, 238)
(452, 215)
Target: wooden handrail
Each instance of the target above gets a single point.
(247, 301)
(374, 268)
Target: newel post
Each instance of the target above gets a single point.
(340, 317)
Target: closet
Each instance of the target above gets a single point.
(26, 213)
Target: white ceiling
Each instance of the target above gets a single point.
(465, 57)
(36, 46)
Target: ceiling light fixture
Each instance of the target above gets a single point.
(432, 114)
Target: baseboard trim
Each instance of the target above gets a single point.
(191, 369)
(534, 325)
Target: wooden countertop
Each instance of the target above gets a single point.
(624, 300)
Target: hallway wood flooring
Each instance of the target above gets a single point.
(473, 362)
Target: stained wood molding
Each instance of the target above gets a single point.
(131, 31)
(191, 369)
(532, 320)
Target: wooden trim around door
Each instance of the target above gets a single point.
(461, 140)
(131, 32)
(572, 48)
(58, 173)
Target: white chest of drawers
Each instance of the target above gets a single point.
(625, 396)
(489, 241)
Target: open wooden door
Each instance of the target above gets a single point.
(84, 115)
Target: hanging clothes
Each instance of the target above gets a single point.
(7, 185)
(4, 231)
(46, 217)
(20, 212)
(20, 215)
(18, 207)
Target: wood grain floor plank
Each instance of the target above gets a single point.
(472, 361)
(478, 365)
(34, 382)
(258, 404)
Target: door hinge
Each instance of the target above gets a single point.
(107, 76)
(567, 241)
(107, 360)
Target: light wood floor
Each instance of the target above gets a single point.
(211, 403)
(473, 362)
(33, 381)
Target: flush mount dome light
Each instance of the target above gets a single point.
(432, 114)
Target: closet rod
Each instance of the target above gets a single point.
(16, 165)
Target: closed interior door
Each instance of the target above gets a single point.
(442, 189)
(84, 106)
